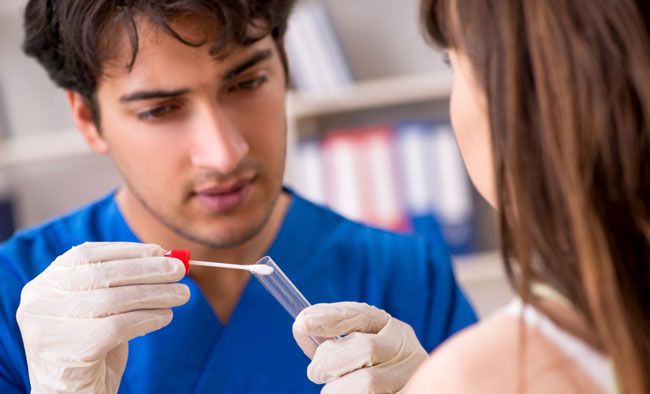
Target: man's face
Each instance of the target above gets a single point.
(199, 141)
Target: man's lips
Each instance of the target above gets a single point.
(224, 197)
(225, 188)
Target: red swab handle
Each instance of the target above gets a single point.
(183, 255)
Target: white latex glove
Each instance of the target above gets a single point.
(378, 354)
(77, 316)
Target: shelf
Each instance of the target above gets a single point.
(479, 267)
(378, 93)
(42, 147)
(398, 90)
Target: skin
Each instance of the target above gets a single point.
(468, 113)
(487, 357)
(202, 163)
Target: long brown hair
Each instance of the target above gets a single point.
(568, 89)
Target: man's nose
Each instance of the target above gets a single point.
(218, 144)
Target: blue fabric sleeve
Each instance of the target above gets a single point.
(409, 277)
(449, 310)
(13, 373)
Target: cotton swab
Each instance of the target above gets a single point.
(256, 269)
(184, 256)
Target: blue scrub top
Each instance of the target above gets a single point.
(329, 259)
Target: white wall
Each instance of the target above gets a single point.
(30, 104)
(51, 188)
(383, 37)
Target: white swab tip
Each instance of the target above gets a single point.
(261, 269)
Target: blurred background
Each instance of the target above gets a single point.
(368, 127)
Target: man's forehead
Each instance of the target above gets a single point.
(166, 64)
(124, 46)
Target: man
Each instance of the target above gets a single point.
(188, 99)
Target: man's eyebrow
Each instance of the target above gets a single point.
(256, 58)
(152, 94)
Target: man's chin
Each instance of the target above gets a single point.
(232, 240)
(223, 236)
(230, 230)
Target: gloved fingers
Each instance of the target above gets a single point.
(340, 318)
(100, 303)
(118, 329)
(331, 320)
(131, 298)
(363, 381)
(358, 382)
(305, 343)
(383, 378)
(114, 273)
(339, 357)
(116, 358)
(87, 341)
(308, 344)
(97, 252)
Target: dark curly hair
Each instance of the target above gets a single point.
(65, 36)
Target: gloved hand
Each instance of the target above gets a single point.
(378, 354)
(77, 316)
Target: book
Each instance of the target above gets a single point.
(380, 195)
(342, 190)
(339, 69)
(316, 58)
(407, 177)
(311, 183)
(438, 192)
(303, 74)
(360, 175)
(451, 190)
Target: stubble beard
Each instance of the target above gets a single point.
(234, 240)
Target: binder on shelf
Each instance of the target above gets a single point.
(304, 75)
(316, 57)
(437, 185)
(333, 50)
(415, 177)
(379, 184)
(341, 177)
(311, 177)
(360, 176)
(455, 206)
(407, 177)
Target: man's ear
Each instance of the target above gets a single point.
(83, 119)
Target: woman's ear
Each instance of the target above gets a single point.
(83, 119)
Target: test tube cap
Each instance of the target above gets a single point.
(183, 255)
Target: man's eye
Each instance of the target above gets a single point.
(156, 113)
(250, 84)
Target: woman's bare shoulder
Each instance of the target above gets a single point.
(487, 358)
(469, 360)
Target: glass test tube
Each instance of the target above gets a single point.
(284, 291)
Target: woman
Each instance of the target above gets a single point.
(551, 110)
